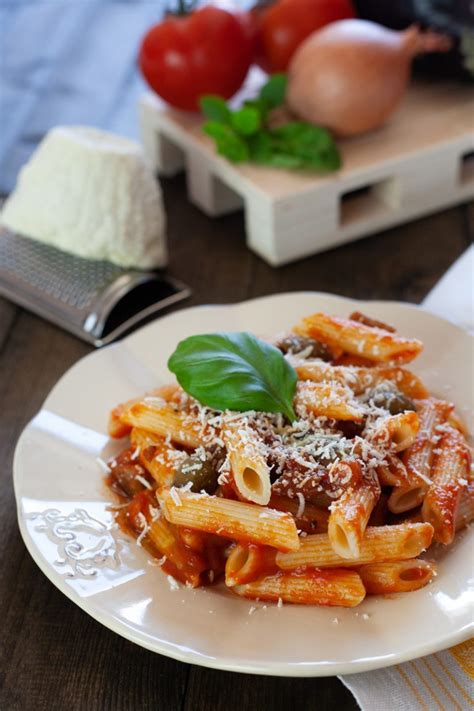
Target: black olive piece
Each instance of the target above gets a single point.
(124, 481)
(392, 400)
(295, 344)
(202, 474)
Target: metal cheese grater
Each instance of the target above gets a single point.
(96, 301)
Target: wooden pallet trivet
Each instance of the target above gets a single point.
(420, 162)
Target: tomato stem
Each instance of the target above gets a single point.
(185, 7)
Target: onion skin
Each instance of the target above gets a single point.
(351, 75)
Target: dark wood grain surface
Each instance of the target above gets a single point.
(52, 655)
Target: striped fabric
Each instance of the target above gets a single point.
(440, 682)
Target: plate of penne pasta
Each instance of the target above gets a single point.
(282, 486)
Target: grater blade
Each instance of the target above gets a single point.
(95, 300)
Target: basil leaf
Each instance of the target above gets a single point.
(215, 108)
(246, 121)
(235, 371)
(273, 92)
(313, 146)
(259, 105)
(260, 147)
(228, 142)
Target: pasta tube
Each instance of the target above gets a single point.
(380, 543)
(164, 421)
(117, 428)
(375, 344)
(449, 476)
(329, 400)
(465, 512)
(250, 470)
(359, 378)
(248, 562)
(232, 519)
(188, 563)
(392, 472)
(157, 456)
(397, 431)
(308, 587)
(349, 517)
(396, 576)
(419, 457)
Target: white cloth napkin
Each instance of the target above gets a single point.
(444, 680)
(453, 296)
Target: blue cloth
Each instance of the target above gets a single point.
(67, 62)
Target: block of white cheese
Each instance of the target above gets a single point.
(91, 193)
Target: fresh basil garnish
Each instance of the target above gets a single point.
(245, 134)
(235, 371)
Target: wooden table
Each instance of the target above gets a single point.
(52, 655)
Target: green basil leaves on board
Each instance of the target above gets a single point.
(235, 371)
(244, 135)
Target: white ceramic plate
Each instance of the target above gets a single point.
(63, 517)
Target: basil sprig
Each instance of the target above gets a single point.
(245, 134)
(235, 371)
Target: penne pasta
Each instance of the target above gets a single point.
(392, 472)
(249, 467)
(449, 477)
(188, 563)
(397, 432)
(360, 379)
(418, 457)
(164, 421)
(309, 587)
(375, 344)
(328, 400)
(396, 576)
(232, 519)
(380, 543)
(196, 540)
(465, 512)
(247, 562)
(117, 428)
(317, 508)
(159, 457)
(144, 521)
(369, 321)
(349, 518)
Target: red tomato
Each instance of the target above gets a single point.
(207, 52)
(286, 24)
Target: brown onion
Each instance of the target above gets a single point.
(350, 75)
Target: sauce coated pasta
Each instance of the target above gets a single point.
(322, 507)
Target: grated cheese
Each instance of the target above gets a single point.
(144, 526)
(103, 465)
(301, 505)
(143, 481)
(175, 496)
